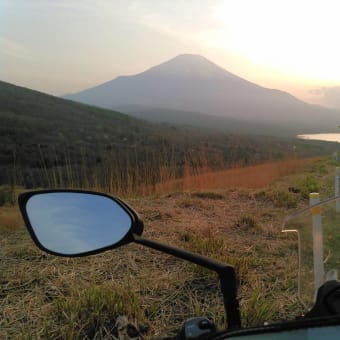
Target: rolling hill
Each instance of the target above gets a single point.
(33, 117)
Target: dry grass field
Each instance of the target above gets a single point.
(57, 298)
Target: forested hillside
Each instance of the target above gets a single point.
(51, 142)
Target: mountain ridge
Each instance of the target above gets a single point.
(193, 83)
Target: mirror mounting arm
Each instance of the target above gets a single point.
(225, 272)
(228, 284)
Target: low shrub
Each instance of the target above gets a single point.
(283, 199)
(307, 185)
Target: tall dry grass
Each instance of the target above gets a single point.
(144, 169)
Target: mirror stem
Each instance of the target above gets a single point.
(225, 273)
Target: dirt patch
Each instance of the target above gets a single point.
(258, 176)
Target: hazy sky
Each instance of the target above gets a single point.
(62, 46)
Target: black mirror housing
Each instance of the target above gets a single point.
(78, 223)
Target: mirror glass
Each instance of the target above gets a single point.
(72, 223)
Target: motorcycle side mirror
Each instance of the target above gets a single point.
(77, 223)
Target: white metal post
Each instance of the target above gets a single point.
(317, 241)
(337, 173)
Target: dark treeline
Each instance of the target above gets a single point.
(130, 169)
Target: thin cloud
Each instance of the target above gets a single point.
(12, 49)
(316, 92)
(181, 21)
(330, 95)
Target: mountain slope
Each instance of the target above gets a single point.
(193, 83)
(29, 116)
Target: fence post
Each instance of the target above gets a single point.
(314, 198)
(337, 174)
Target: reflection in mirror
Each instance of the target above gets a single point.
(71, 223)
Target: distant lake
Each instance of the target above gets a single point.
(327, 137)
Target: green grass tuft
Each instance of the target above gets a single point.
(247, 222)
(92, 312)
(208, 194)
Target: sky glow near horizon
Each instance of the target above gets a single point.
(65, 46)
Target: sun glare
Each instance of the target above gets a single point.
(296, 37)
